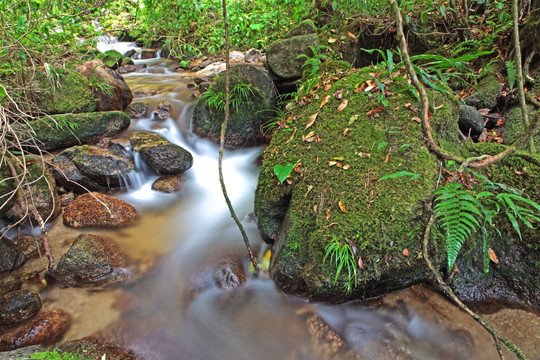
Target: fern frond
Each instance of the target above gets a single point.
(512, 73)
(459, 213)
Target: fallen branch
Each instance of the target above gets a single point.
(222, 144)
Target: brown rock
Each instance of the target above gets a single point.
(30, 246)
(43, 329)
(18, 305)
(148, 54)
(168, 184)
(118, 95)
(95, 209)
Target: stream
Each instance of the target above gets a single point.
(177, 233)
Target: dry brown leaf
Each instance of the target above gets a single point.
(343, 105)
(343, 207)
(352, 38)
(347, 166)
(360, 263)
(416, 119)
(438, 107)
(327, 87)
(345, 131)
(387, 158)
(339, 94)
(324, 100)
(312, 119)
(406, 252)
(493, 256)
(332, 163)
(328, 216)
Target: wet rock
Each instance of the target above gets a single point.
(282, 56)
(88, 167)
(208, 73)
(254, 56)
(18, 306)
(7, 189)
(67, 198)
(10, 256)
(229, 273)
(43, 329)
(112, 92)
(130, 53)
(41, 191)
(164, 157)
(168, 184)
(95, 209)
(204, 86)
(470, 122)
(111, 58)
(246, 121)
(10, 285)
(148, 54)
(62, 131)
(90, 261)
(125, 69)
(162, 110)
(136, 110)
(127, 61)
(30, 246)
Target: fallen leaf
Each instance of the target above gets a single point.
(343, 207)
(352, 38)
(493, 256)
(343, 105)
(327, 87)
(347, 166)
(328, 216)
(387, 158)
(332, 163)
(345, 131)
(339, 94)
(332, 40)
(324, 100)
(353, 119)
(369, 88)
(360, 263)
(338, 158)
(438, 107)
(309, 188)
(416, 119)
(406, 252)
(312, 119)
(376, 110)
(297, 168)
(309, 135)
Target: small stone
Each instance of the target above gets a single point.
(230, 273)
(10, 256)
(237, 57)
(209, 72)
(254, 56)
(136, 110)
(18, 305)
(148, 54)
(471, 122)
(45, 328)
(162, 110)
(168, 184)
(95, 209)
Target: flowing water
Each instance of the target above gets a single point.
(177, 233)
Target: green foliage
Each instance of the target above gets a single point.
(240, 93)
(283, 172)
(462, 212)
(399, 174)
(314, 62)
(342, 255)
(54, 355)
(512, 73)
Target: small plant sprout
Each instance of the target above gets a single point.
(343, 256)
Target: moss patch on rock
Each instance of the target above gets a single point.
(336, 191)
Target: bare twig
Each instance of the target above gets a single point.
(222, 144)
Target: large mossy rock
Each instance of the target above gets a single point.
(513, 125)
(87, 167)
(65, 130)
(110, 88)
(244, 127)
(486, 96)
(111, 58)
(515, 278)
(335, 192)
(282, 55)
(61, 91)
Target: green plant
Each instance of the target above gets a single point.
(399, 174)
(240, 93)
(54, 355)
(462, 212)
(342, 255)
(314, 62)
(98, 84)
(512, 73)
(283, 171)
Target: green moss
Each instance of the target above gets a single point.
(111, 58)
(382, 218)
(70, 92)
(513, 125)
(486, 96)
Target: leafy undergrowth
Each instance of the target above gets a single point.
(353, 136)
(54, 355)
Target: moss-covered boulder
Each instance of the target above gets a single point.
(109, 86)
(87, 167)
(39, 194)
(486, 96)
(164, 157)
(513, 125)
(65, 130)
(60, 91)
(345, 142)
(247, 118)
(305, 27)
(282, 56)
(90, 261)
(111, 58)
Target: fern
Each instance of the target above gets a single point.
(512, 73)
(458, 212)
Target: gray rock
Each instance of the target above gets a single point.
(10, 257)
(470, 122)
(18, 305)
(89, 167)
(164, 157)
(136, 110)
(282, 56)
(254, 56)
(90, 261)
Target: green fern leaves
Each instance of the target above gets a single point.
(458, 213)
(512, 73)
